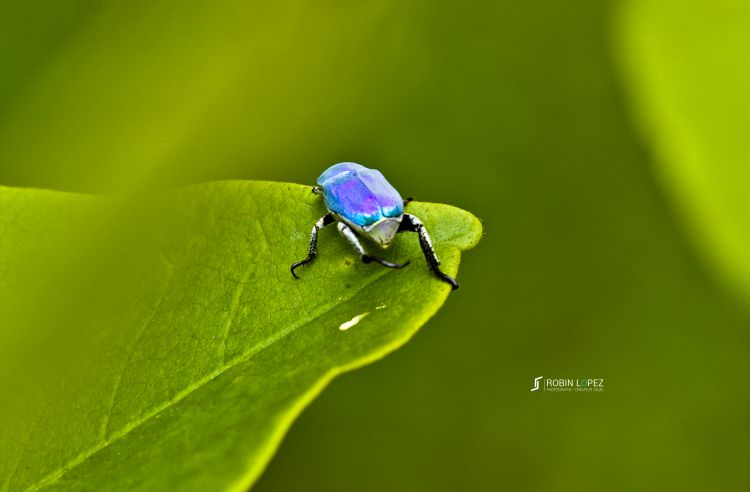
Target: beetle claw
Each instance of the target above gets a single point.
(385, 263)
(446, 278)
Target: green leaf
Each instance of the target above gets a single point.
(687, 67)
(165, 345)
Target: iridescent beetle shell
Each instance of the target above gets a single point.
(363, 199)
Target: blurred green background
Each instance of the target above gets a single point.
(517, 111)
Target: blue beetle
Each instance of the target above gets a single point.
(363, 203)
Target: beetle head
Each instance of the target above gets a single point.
(383, 231)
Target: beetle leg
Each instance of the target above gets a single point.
(347, 232)
(312, 252)
(411, 223)
(407, 200)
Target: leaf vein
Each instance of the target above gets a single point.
(129, 357)
(244, 357)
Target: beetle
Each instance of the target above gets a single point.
(363, 203)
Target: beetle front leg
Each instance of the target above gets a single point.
(312, 252)
(347, 232)
(411, 223)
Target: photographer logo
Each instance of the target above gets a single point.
(572, 385)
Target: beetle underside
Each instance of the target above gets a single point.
(383, 231)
